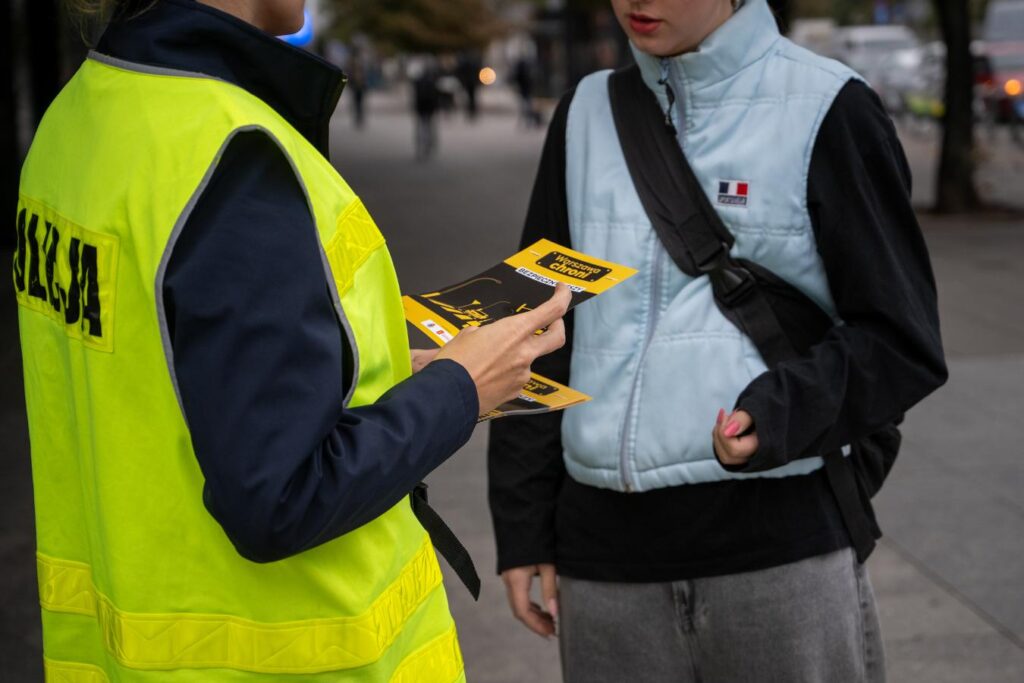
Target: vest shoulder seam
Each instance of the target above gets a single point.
(269, 114)
(748, 101)
(179, 226)
(812, 139)
(791, 53)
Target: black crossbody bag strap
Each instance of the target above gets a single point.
(698, 241)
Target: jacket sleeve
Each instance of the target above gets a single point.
(524, 454)
(887, 355)
(259, 358)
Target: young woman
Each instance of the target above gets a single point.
(225, 429)
(681, 523)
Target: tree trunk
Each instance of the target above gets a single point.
(10, 158)
(955, 189)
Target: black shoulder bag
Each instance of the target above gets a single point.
(782, 322)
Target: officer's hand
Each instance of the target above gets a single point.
(420, 358)
(498, 356)
(734, 438)
(518, 583)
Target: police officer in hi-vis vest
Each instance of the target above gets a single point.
(224, 419)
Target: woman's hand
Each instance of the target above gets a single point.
(498, 356)
(734, 438)
(420, 358)
(518, 583)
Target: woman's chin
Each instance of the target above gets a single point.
(284, 26)
(652, 45)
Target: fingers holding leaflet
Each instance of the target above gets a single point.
(548, 312)
(551, 340)
(421, 357)
(548, 317)
(498, 356)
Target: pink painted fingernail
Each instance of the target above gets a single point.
(553, 607)
(721, 416)
(732, 429)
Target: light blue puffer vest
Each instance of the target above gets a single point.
(655, 353)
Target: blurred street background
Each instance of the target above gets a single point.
(440, 130)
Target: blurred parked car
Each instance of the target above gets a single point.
(814, 34)
(1004, 21)
(899, 74)
(1001, 91)
(914, 81)
(864, 48)
(1004, 49)
(924, 96)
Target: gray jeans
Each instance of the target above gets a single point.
(812, 621)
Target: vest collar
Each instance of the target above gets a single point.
(189, 36)
(741, 41)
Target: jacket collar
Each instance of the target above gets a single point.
(185, 35)
(741, 41)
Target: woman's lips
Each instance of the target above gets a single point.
(643, 24)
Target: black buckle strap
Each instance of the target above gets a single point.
(713, 257)
(839, 471)
(730, 281)
(445, 541)
(732, 285)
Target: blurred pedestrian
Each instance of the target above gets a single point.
(227, 435)
(356, 84)
(467, 71)
(426, 102)
(522, 76)
(681, 523)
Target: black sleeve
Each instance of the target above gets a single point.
(888, 354)
(524, 455)
(258, 354)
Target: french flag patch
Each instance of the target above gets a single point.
(733, 192)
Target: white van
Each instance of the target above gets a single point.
(1004, 21)
(814, 34)
(864, 48)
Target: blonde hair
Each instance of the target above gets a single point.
(103, 10)
(90, 17)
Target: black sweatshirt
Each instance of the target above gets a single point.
(862, 375)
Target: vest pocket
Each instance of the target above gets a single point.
(355, 237)
(685, 381)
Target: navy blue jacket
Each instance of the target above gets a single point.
(260, 356)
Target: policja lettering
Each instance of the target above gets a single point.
(57, 273)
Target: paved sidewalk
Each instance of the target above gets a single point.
(999, 158)
(950, 573)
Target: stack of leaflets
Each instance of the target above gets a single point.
(517, 284)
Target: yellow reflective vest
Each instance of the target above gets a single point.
(137, 581)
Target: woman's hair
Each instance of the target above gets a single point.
(102, 10)
(91, 16)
